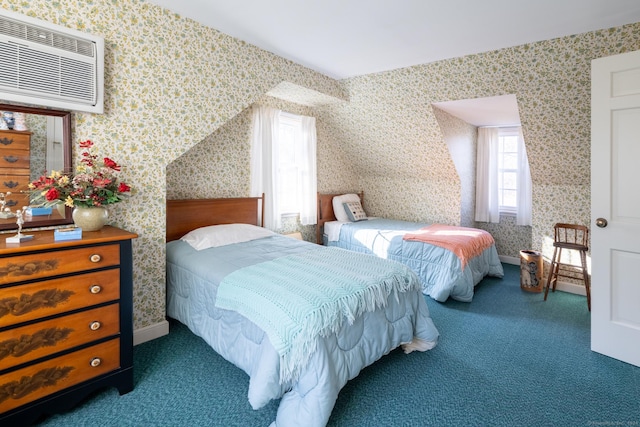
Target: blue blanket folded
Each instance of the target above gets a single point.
(297, 298)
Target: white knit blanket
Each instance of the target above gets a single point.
(297, 298)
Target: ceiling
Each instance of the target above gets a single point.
(492, 111)
(346, 38)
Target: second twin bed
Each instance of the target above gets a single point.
(449, 260)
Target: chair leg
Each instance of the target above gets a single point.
(585, 275)
(552, 272)
(557, 269)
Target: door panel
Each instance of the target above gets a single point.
(615, 248)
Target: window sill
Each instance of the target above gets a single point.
(289, 215)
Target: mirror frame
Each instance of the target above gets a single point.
(36, 221)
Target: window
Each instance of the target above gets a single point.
(503, 179)
(283, 165)
(290, 138)
(508, 170)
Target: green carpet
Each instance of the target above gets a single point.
(506, 359)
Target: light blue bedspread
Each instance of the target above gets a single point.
(298, 298)
(193, 282)
(439, 269)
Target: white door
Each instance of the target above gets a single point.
(615, 206)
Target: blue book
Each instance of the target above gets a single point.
(71, 233)
(38, 211)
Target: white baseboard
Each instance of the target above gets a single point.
(509, 259)
(571, 288)
(149, 333)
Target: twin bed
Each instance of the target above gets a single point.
(450, 261)
(300, 319)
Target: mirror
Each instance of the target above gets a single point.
(39, 142)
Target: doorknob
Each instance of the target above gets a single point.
(601, 222)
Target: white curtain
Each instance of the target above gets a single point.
(264, 162)
(487, 209)
(487, 206)
(524, 215)
(264, 166)
(308, 188)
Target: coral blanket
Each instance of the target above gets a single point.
(465, 242)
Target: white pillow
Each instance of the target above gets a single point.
(224, 234)
(338, 205)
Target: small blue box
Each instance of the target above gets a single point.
(73, 233)
(38, 211)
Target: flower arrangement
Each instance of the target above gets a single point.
(94, 184)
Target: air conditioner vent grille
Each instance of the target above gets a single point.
(8, 55)
(45, 73)
(12, 28)
(45, 37)
(49, 65)
(79, 79)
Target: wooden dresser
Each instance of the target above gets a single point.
(15, 148)
(66, 321)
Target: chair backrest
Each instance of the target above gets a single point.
(572, 234)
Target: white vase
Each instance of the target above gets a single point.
(61, 209)
(90, 219)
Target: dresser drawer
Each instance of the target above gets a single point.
(14, 183)
(22, 303)
(15, 141)
(18, 198)
(14, 159)
(36, 381)
(27, 343)
(46, 264)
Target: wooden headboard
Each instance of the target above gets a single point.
(189, 214)
(325, 211)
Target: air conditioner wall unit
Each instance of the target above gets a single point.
(49, 65)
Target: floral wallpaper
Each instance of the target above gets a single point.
(416, 162)
(462, 140)
(172, 84)
(392, 134)
(227, 153)
(37, 125)
(169, 83)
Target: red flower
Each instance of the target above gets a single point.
(94, 184)
(101, 182)
(52, 194)
(111, 164)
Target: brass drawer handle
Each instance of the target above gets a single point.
(6, 141)
(11, 159)
(95, 362)
(95, 325)
(11, 184)
(95, 258)
(95, 289)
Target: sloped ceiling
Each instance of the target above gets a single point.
(351, 38)
(490, 111)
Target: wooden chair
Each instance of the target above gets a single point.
(571, 237)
